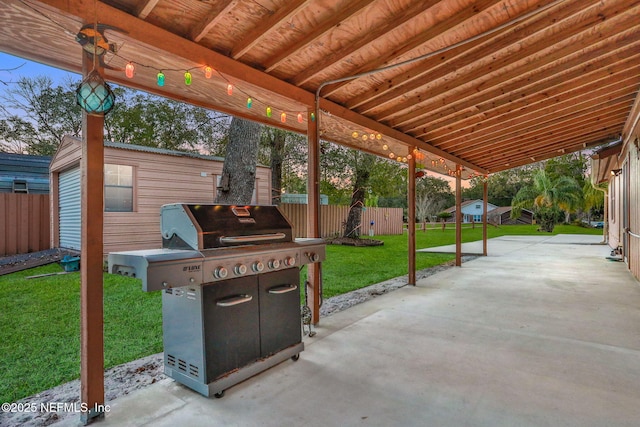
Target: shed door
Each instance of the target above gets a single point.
(69, 208)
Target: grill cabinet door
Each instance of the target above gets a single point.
(279, 310)
(231, 325)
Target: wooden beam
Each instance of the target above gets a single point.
(530, 109)
(352, 8)
(145, 8)
(528, 141)
(542, 50)
(485, 216)
(279, 18)
(165, 41)
(91, 282)
(578, 73)
(455, 59)
(346, 114)
(376, 31)
(214, 16)
(411, 218)
(458, 217)
(314, 271)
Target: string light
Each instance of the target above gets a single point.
(229, 89)
(187, 78)
(129, 70)
(160, 78)
(283, 117)
(300, 118)
(268, 111)
(208, 72)
(249, 102)
(313, 117)
(355, 134)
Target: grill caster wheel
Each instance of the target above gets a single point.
(295, 357)
(219, 395)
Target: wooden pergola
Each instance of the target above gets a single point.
(463, 88)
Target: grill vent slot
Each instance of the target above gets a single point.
(182, 365)
(194, 371)
(171, 360)
(168, 291)
(191, 294)
(178, 292)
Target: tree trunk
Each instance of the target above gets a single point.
(362, 172)
(277, 157)
(239, 170)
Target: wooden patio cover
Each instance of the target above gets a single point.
(472, 86)
(512, 82)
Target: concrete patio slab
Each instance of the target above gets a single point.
(537, 335)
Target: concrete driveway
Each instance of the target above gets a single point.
(544, 332)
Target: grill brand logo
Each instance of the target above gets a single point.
(191, 268)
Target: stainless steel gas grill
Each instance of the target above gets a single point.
(230, 278)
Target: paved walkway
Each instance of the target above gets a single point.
(544, 332)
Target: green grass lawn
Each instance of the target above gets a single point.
(40, 318)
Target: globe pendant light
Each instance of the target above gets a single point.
(94, 94)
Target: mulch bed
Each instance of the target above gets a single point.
(13, 263)
(349, 241)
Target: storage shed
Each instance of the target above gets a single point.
(138, 180)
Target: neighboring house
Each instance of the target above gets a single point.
(618, 165)
(472, 211)
(301, 199)
(22, 173)
(138, 180)
(24, 203)
(502, 216)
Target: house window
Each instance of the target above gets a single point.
(118, 188)
(478, 206)
(477, 218)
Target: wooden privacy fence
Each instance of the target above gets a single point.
(332, 219)
(24, 223)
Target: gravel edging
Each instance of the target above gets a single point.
(126, 378)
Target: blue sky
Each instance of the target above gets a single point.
(29, 69)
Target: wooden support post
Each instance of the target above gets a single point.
(91, 283)
(485, 215)
(411, 217)
(458, 217)
(314, 270)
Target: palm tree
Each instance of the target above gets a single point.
(547, 198)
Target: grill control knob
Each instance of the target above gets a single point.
(240, 269)
(274, 263)
(313, 257)
(289, 261)
(220, 273)
(257, 266)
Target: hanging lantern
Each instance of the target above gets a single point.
(94, 95)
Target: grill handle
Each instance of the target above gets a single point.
(283, 289)
(252, 238)
(235, 300)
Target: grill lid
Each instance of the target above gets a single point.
(197, 226)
